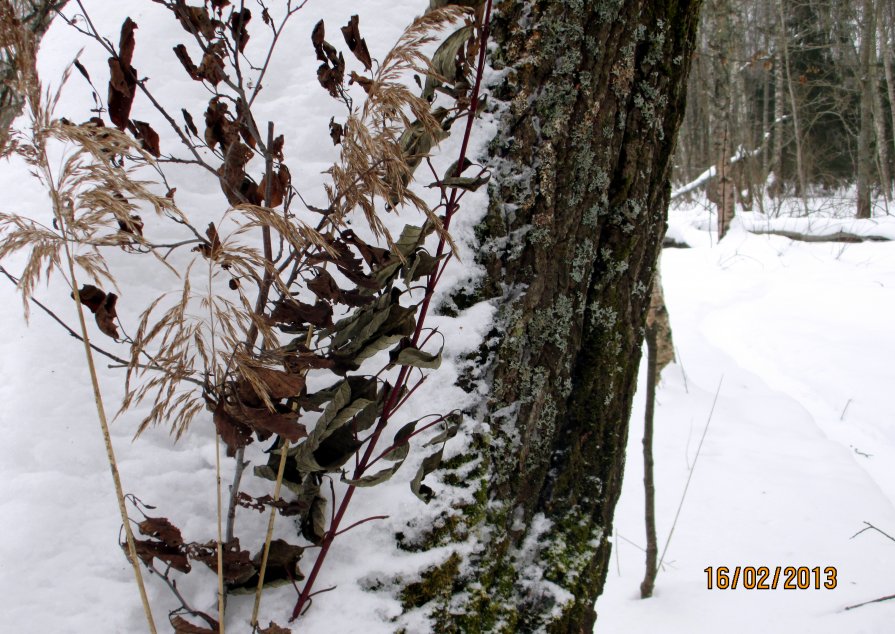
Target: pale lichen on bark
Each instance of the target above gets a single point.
(589, 105)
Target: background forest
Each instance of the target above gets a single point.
(792, 99)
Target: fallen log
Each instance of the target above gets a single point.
(839, 236)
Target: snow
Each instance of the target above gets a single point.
(60, 565)
(799, 453)
(800, 450)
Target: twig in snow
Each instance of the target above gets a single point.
(880, 600)
(847, 403)
(680, 362)
(872, 527)
(690, 475)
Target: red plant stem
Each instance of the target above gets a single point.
(407, 396)
(395, 392)
(359, 522)
(406, 440)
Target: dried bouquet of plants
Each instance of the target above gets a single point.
(275, 294)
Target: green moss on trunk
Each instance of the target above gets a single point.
(590, 107)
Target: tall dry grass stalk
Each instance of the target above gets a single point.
(222, 597)
(19, 46)
(107, 439)
(218, 342)
(278, 486)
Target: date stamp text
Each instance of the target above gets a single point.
(770, 578)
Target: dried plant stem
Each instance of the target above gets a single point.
(121, 363)
(104, 424)
(222, 601)
(252, 334)
(284, 452)
(281, 470)
(649, 481)
(59, 321)
(394, 395)
(234, 492)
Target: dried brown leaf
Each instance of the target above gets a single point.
(317, 40)
(127, 42)
(174, 556)
(182, 626)
(276, 148)
(161, 529)
(373, 256)
(212, 67)
(335, 131)
(356, 44)
(196, 20)
(233, 432)
(300, 363)
(279, 185)
(102, 306)
(239, 21)
(213, 248)
(91, 297)
(132, 225)
(148, 137)
(236, 185)
(219, 127)
(106, 316)
(238, 566)
(122, 77)
(364, 82)
(265, 422)
(188, 64)
(278, 384)
(282, 562)
(295, 313)
(331, 77)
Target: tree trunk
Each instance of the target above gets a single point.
(778, 185)
(794, 107)
(865, 135)
(720, 37)
(884, 26)
(589, 102)
(879, 115)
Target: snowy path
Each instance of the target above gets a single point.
(797, 332)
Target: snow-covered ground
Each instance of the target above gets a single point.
(800, 450)
(60, 566)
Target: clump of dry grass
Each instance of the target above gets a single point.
(224, 341)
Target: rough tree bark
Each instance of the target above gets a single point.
(794, 108)
(884, 25)
(879, 113)
(590, 96)
(778, 185)
(720, 47)
(865, 133)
